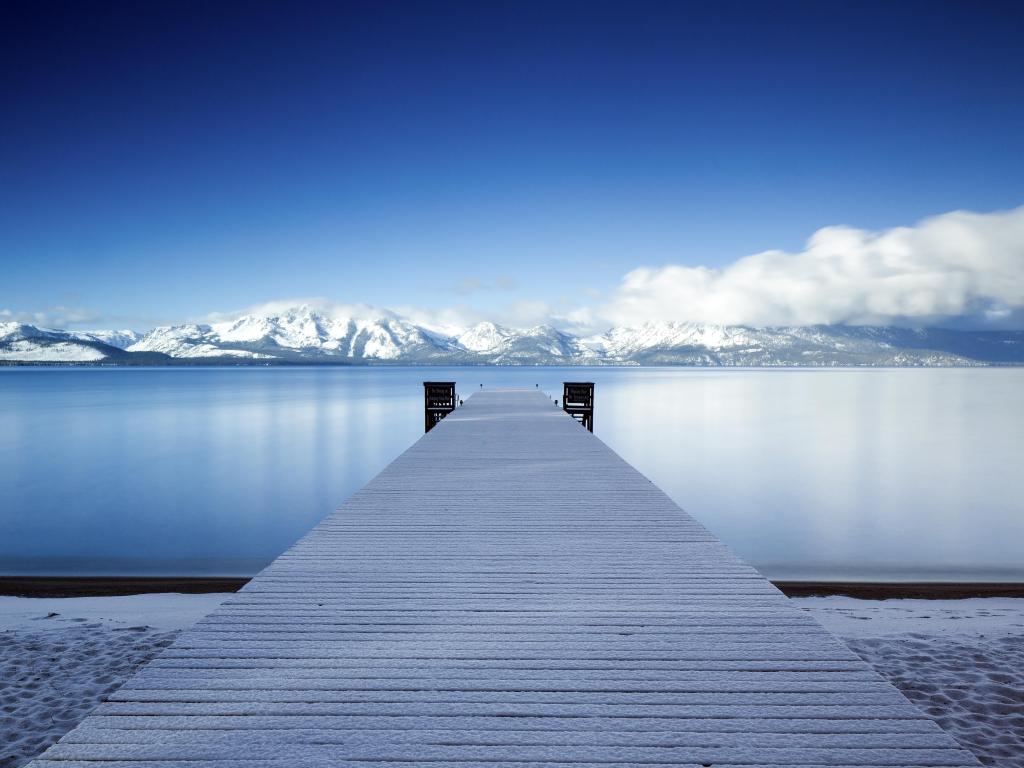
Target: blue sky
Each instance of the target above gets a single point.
(162, 161)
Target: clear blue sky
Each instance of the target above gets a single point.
(161, 160)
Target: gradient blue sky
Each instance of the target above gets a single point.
(160, 161)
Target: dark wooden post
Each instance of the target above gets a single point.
(438, 402)
(578, 401)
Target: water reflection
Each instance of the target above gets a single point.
(807, 474)
(893, 474)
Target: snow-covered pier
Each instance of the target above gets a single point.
(508, 592)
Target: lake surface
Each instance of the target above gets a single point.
(816, 474)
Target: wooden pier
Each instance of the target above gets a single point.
(508, 593)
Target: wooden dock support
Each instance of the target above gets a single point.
(507, 593)
(578, 401)
(438, 401)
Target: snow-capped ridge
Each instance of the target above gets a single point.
(484, 337)
(121, 339)
(305, 334)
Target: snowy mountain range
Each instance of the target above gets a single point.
(304, 335)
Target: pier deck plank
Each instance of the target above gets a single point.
(508, 592)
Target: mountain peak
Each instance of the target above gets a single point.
(302, 333)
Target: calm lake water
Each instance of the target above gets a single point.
(861, 474)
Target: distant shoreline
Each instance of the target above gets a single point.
(273, 339)
(214, 363)
(902, 590)
(106, 586)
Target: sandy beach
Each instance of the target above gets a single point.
(59, 658)
(961, 660)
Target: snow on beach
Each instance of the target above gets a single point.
(961, 661)
(59, 657)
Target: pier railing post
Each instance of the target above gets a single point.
(438, 401)
(578, 401)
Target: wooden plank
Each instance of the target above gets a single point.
(507, 592)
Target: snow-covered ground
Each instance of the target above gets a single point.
(961, 661)
(163, 611)
(28, 351)
(59, 657)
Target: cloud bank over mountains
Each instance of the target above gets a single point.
(845, 299)
(958, 269)
(954, 265)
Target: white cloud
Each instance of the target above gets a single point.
(952, 265)
(524, 313)
(54, 317)
(466, 286)
(449, 321)
(960, 269)
(326, 307)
